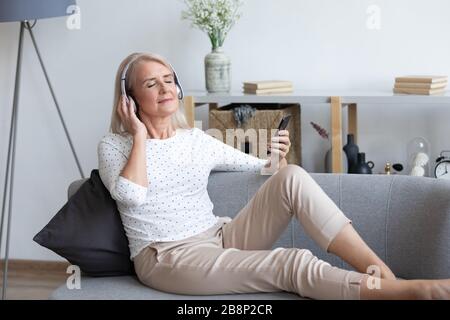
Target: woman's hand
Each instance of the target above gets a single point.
(129, 119)
(279, 146)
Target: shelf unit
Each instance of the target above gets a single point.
(337, 101)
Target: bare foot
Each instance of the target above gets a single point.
(434, 290)
(406, 289)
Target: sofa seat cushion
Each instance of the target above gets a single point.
(129, 288)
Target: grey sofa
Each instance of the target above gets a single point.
(406, 220)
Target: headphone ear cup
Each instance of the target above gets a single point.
(179, 93)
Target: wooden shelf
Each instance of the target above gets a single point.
(336, 100)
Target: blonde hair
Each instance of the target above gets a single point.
(178, 118)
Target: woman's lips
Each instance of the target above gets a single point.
(165, 100)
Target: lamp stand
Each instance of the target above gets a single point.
(12, 145)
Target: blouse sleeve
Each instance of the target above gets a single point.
(227, 158)
(111, 161)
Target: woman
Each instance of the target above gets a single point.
(156, 168)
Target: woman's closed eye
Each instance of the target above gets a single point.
(153, 84)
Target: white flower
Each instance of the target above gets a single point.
(215, 17)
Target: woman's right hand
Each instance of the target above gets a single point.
(129, 119)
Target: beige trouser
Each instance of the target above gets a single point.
(235, 256)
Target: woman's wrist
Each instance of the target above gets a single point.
(139, 137)
(281, 163)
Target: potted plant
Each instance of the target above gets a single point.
(215, 18)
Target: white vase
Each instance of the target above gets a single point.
(217, 71)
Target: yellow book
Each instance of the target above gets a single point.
(422, 79)
(420, 85)
(419, 91)
(269, 91)
(266, 84)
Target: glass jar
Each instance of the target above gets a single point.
(418, 157)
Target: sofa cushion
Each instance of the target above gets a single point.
(129, 288)
(88, 232)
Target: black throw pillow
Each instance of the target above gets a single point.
(88, 232)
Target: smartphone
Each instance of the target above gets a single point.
(283, 125)
(284, 122)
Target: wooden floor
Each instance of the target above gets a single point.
(33, 280)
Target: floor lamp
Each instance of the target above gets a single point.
(23, 11)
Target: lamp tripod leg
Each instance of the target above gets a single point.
(28, 27)
(10, 162)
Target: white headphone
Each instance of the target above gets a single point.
(124, 75)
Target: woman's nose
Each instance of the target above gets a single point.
(164, 87)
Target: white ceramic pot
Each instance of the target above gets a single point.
(217, 71)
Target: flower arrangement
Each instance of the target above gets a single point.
(215, 17)
(321, 131)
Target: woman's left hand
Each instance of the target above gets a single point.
(280, 144)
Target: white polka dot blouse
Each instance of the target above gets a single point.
(175, 204)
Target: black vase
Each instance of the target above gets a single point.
(361, 166)
(351, 150)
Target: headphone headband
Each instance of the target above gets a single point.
(124, 76)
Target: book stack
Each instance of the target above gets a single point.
(268, 87)
(427, 85)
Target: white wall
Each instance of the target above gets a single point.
(318, 44)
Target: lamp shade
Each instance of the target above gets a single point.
(20, 10)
